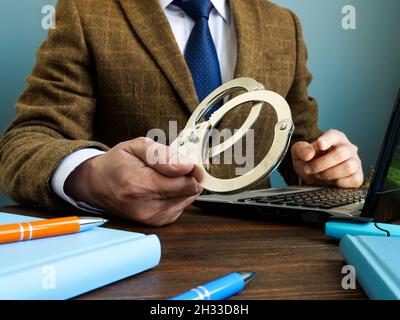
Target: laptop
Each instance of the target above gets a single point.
(314, 204)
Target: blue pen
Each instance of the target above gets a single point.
(219, 289)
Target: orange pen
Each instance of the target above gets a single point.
(46, 228)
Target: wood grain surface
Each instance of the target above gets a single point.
(292, 260)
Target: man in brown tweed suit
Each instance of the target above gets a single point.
(114, 69)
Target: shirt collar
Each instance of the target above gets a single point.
(222, 7)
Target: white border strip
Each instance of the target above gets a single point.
(22, 231)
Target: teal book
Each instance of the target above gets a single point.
(377, 264)
(67, 266)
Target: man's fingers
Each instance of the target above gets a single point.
(168, 211)
(342, 170)
(177, 208)
(168, 161)
(166, 187)
(330, 139)
(161, 158)
(331, 159)
(303, 151)
(354, 181)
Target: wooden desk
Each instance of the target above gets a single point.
(292, 261)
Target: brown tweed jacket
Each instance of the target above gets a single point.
(111, 71)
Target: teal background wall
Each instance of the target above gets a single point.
(21, 33)
(356, 72)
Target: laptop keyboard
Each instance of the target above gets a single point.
(326, 198)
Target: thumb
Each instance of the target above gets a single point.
(167, 161)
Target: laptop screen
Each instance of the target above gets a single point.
(383, 200)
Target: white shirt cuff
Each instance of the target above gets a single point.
(65, 168)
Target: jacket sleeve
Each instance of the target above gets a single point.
(304, 108)
(54, 115)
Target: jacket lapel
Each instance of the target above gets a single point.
(152, 27)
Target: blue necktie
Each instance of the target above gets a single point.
(200, 53)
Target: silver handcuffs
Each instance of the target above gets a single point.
(192, 142)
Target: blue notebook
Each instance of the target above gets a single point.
(67, 266)
(377, 264)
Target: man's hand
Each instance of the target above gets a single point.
(127, 181)
(330, 160)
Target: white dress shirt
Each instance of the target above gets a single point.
(224, 35)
